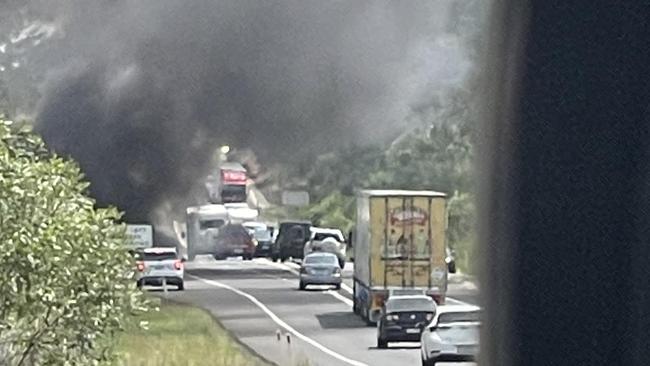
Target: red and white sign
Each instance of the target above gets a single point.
(408, 216)
(233, 177)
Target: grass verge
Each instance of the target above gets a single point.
(180, 335)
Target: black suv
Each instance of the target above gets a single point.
(291, 240)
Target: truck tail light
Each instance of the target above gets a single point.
(178, 265)
(140, 266)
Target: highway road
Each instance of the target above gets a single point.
(259, 302)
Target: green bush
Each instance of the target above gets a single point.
(66, 279)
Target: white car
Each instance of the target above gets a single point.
(452, 335)
(326, 240)
(157, 264)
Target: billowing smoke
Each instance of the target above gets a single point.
(141, 92)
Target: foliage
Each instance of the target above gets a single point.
(65, 275)
(335, 211)
(438, 155)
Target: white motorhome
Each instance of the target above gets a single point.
(202, 227)
(239, 213)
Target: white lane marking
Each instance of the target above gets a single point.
(342, 298)
(346, 288)
(281, 322)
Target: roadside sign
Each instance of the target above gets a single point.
(140, 236)
(295, 198)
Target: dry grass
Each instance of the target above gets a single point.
(182, 336)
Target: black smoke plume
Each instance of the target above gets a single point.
(141, 92)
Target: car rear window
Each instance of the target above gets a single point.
(212, 224)
(320, 259)
(410, 305)
(323, 236)
(471, 316)
(235, 231)
(158, 256)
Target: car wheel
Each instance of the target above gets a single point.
(337, 286)
(302, 285)
(181, 286)
(381, 343)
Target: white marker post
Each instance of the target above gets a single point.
(164, 283)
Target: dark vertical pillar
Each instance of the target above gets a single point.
(565, 207)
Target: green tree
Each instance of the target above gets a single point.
(66, 278)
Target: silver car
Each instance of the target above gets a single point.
(158, 266)
(320, 268)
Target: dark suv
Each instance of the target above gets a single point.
(291, 240)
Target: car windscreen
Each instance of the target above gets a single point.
(211, 224)
(470, 316)
(158, 256)
(397, 305)
(320, 259)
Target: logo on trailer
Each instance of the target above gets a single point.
(411, 215)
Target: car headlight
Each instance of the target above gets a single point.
(392, 317)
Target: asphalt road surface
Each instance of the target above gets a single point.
(259, 302)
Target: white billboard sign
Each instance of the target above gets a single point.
(139, 236)
(295, 198)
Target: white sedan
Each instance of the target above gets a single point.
(452, 335)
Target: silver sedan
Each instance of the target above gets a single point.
(320, 268)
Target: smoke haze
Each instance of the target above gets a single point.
(141, 92)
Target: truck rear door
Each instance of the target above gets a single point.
(408, 242)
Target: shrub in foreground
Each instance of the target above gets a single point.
(65, 277)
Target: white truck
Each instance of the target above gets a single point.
(229, 185)
(399, 245)
(201, 229)
(239, 213)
